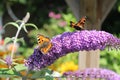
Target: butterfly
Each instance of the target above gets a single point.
(80, 24)
(44, 43)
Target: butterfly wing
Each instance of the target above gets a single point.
(81, 22)
(46, 49)
(44, 43)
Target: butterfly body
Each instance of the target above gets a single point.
(44, 44)
(79, 25)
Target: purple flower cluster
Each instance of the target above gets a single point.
(94, 73)
(71, 42)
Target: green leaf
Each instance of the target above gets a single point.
(12, 23)
(20, 67)
(24, 27)
(23, 1)
(4, 72)
(48, 71)
(21, 40)
(19, 21)
(7, 40)
(30, 24)
(39, 74)
(42, 73)
(48, 78)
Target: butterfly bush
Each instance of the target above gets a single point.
(71, 42)
(94, 73)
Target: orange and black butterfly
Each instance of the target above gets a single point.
(80, 24)
(44, 43)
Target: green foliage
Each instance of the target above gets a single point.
(4, 72)
(70, 57)
(110, 60)
(42, 73)
(20, 67)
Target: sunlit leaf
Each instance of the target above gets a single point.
(20, 67)
(12, 23)
(23, 1)
(119, 8)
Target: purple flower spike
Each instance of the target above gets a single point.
(72, 42)
(8, 60)
(94, 73)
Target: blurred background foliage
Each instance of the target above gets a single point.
(52, 18)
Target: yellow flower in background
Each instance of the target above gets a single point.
(65, 63)
(68, 66)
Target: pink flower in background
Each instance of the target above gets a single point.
(62, 23)
(53, 15)
(57, 16)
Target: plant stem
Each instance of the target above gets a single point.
(25, 19)
(15, 39)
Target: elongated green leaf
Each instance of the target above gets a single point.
(19, 21)
(21, 40)
(4, 72)
(32, 25)
(12, 23)
(7, 40)
(24, 27)
(42, 73)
